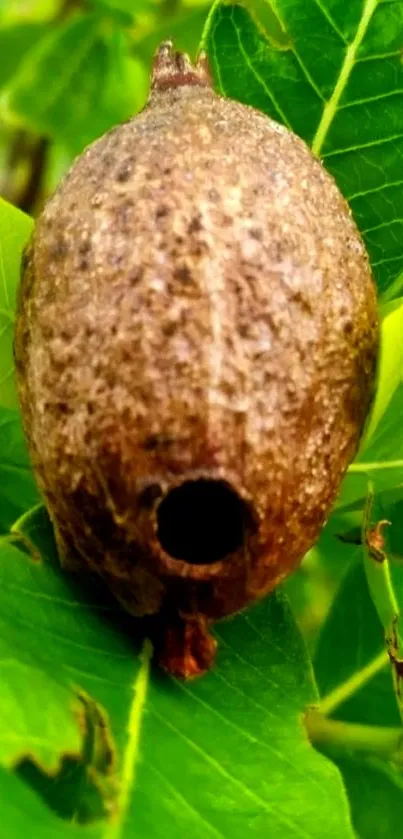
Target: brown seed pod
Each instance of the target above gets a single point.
(196, 345)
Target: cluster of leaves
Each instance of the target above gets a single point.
(93, 740)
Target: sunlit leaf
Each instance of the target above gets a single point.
(77, 82)
(15, 228)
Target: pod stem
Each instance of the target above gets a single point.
(174, 69)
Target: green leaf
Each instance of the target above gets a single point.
(45, 729)
(339, 85)
(376, 794)
(28, 727)
(17, 487)
(351, 638)
(313, 586)
(15, 41)
(77, 82)
(352, 642)
(225, 755)
(390, 373)
(380, 459)
(15, 229)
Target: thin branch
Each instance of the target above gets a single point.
(360, 678)
(377, 741)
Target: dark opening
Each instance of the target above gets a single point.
(201, 521)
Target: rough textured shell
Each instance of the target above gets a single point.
(196, 301)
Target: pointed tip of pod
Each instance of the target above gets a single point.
(174, 69)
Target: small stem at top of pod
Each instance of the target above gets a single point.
(175, 69)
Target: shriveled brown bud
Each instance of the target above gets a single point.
(196, 343)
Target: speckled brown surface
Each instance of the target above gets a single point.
(196, 302)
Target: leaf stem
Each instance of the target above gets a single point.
(207, 25)
(376, 466)
(379, 741)
(332, 104)
(343, 692)
(115, 827)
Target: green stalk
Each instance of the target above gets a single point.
(371, 740)
(383, 596)
(343, 692)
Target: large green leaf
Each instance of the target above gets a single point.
(77, 82)
(15, 228)
(225, 755)
(339, 85)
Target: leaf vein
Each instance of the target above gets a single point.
(379, 98)
(374, 190)
(378, 56)
(268, 746)
(131, 754)
(332, 104)
(326, 14)
(253, 666)
(371, 144)
(308, 75)
(382, 224)
(236, 781)
(258, 77)
(68, 641)
(386, 260)
(185, 801)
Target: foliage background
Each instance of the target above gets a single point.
(92, 740)
(69, 71)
